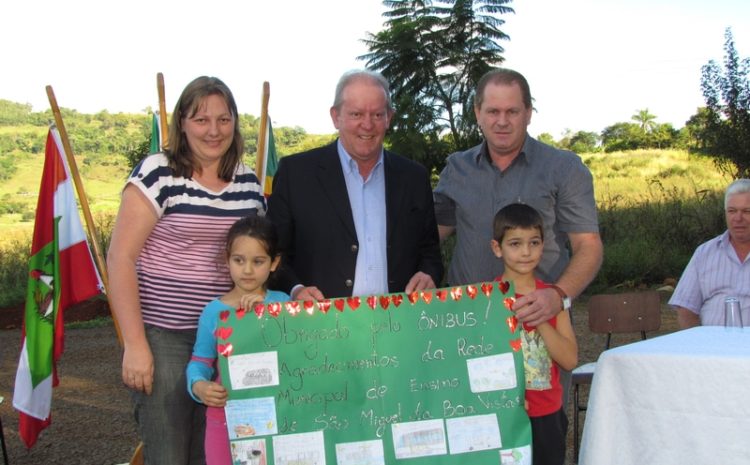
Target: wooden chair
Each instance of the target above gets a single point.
(609, 314)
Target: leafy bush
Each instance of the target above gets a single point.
(7, 168)
(14, 268)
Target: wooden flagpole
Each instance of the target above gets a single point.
(162, 112)
(82, 199)
(137, 458)
(260, 161)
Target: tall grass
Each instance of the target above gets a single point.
(650, 239)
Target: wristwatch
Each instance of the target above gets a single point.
(566, 302)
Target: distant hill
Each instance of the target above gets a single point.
(103, 144)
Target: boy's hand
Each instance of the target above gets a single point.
(248, 301)
(210, 393)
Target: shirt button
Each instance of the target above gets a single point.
(354, 247)
(349, 283)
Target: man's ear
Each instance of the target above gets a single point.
(334, 117)
(496, 248)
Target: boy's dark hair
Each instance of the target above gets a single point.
(257, 227)
(516, 215)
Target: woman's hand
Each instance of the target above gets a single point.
(138, 367)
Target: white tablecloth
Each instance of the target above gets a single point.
(682, 398)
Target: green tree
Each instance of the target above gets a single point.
(694, 129)
(584, 142)
(138, 151)
(726, 134)
(547, 138)
(662, 136)
(645, 120)
(433, 53)
(623, 136)
(12, 113)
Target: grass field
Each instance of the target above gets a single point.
(634, 176)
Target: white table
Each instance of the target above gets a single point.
(682, 398)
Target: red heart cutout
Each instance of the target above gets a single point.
(224, 315)
(339, 304)
(353, 302)
(427, 296)
(292, 308)
(471, 291)
(274, 309)
(309, 306)
(324, 305)
(512, 323)
(384, 301)
(397, 299)
(516, 345)
(442, 294)
(259, 308)
(223, 332)
(225, 349)
(504, 286)
(372, 301)
(509, 301)
(240, 312)
(487, 289)
(456, 293)
(413, 297)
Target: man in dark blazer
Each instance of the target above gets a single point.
(352, 218)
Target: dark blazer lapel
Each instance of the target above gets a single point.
(332, 183)
(395, 190)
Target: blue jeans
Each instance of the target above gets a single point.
(170, 423)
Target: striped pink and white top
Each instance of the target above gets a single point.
(181, 266)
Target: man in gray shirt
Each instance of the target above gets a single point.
(510, 166)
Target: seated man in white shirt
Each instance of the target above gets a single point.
(719, 267)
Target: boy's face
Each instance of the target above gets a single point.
(521, 250)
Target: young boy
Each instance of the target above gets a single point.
(519, 241)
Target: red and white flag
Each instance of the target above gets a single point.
(61, 274)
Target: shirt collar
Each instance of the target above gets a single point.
(524, 156)
(724, 240)
(349, 165)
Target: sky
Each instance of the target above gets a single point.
(590, 63)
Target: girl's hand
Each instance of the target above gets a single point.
(210, 393)
(248, 301)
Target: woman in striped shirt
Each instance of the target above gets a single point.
(164, 261)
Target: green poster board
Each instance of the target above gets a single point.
(434, 377)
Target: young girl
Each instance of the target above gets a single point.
(252, 255)
(519, 241)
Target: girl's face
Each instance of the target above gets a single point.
(250, 265)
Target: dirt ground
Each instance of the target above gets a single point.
(92, 421)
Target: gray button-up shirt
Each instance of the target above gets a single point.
(471, 190)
